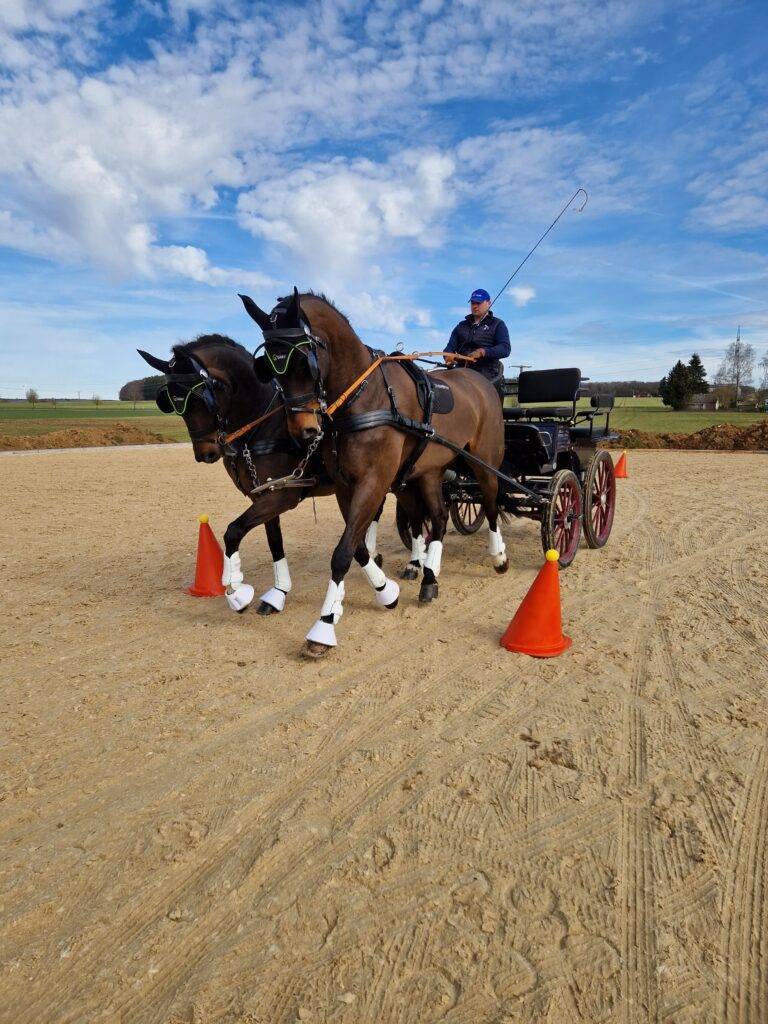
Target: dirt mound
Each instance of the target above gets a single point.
(83, 437)
(726, 437)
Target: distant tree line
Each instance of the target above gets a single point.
(683, 382)
(141, 390)
(733, 384)
(736, 376)
(621, 388)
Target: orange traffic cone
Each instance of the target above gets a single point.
(536, 628)
(210, 563)
(621, 468)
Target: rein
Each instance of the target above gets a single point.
(400, 358)
(229, 438)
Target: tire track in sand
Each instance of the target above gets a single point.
(639, 992)
(242, 859)
(744, 941)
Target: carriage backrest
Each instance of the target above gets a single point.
(548, 385)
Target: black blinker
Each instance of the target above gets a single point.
(163, 401)
(262, 369)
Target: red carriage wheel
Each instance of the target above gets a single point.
(599, 499)
(561, 522)
(467, 516)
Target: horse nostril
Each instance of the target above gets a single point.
(211, 456)
(309, 433)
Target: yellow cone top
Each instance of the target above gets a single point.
(203, 519)
(552, 555)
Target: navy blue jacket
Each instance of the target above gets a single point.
(490, 334)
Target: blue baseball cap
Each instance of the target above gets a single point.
(479, 295)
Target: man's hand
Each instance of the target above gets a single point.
(451, 357)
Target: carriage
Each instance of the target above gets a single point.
(552, 472)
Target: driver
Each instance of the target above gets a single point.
(484, 336)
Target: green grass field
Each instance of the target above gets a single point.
(21, 418)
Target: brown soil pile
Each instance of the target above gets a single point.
(83, 437)
(724, 437)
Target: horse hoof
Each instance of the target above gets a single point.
(242, 611)
(427, 593)
(389, 607)
(410, 572)
(314, 650)
(378, 560)
(265, 609)
(501, 569)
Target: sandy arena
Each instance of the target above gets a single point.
(198, 826)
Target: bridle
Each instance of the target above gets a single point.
(284, 346)
(173, 397)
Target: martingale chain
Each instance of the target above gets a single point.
(250, 465)
(293, 479)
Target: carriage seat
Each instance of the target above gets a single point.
(560, 385)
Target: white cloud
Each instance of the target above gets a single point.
(525, 171)
(96, 158)
(333, 216)
(521, 294)
(385, 315)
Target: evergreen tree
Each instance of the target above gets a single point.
(698, 375)
(676, 388)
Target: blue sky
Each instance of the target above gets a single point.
(158, 157)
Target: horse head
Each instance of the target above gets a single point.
(296, 358)
(210, 384)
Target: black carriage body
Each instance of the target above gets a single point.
(547, 448)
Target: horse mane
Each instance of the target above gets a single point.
(322, 298)
(188, 348)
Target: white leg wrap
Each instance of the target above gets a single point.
(418, 549)
(375, 575)
(334, 600)
(239, 597)
(496, 548)
(370, 538)
(388, 594)
(274, 597)
(322, 633)
(282, 576)
(232, 574)
(434, 557)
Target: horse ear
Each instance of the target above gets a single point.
(159, 364)
(253, 311)
(293, 310)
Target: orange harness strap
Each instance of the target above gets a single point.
(249, 426)
(388, 359)
(343, 397)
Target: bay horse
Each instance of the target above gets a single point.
(211, 383)
(312, 349)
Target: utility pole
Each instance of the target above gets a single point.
(521, 367)
(738, 365)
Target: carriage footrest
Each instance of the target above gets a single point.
(519, 412)
(596, 434)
